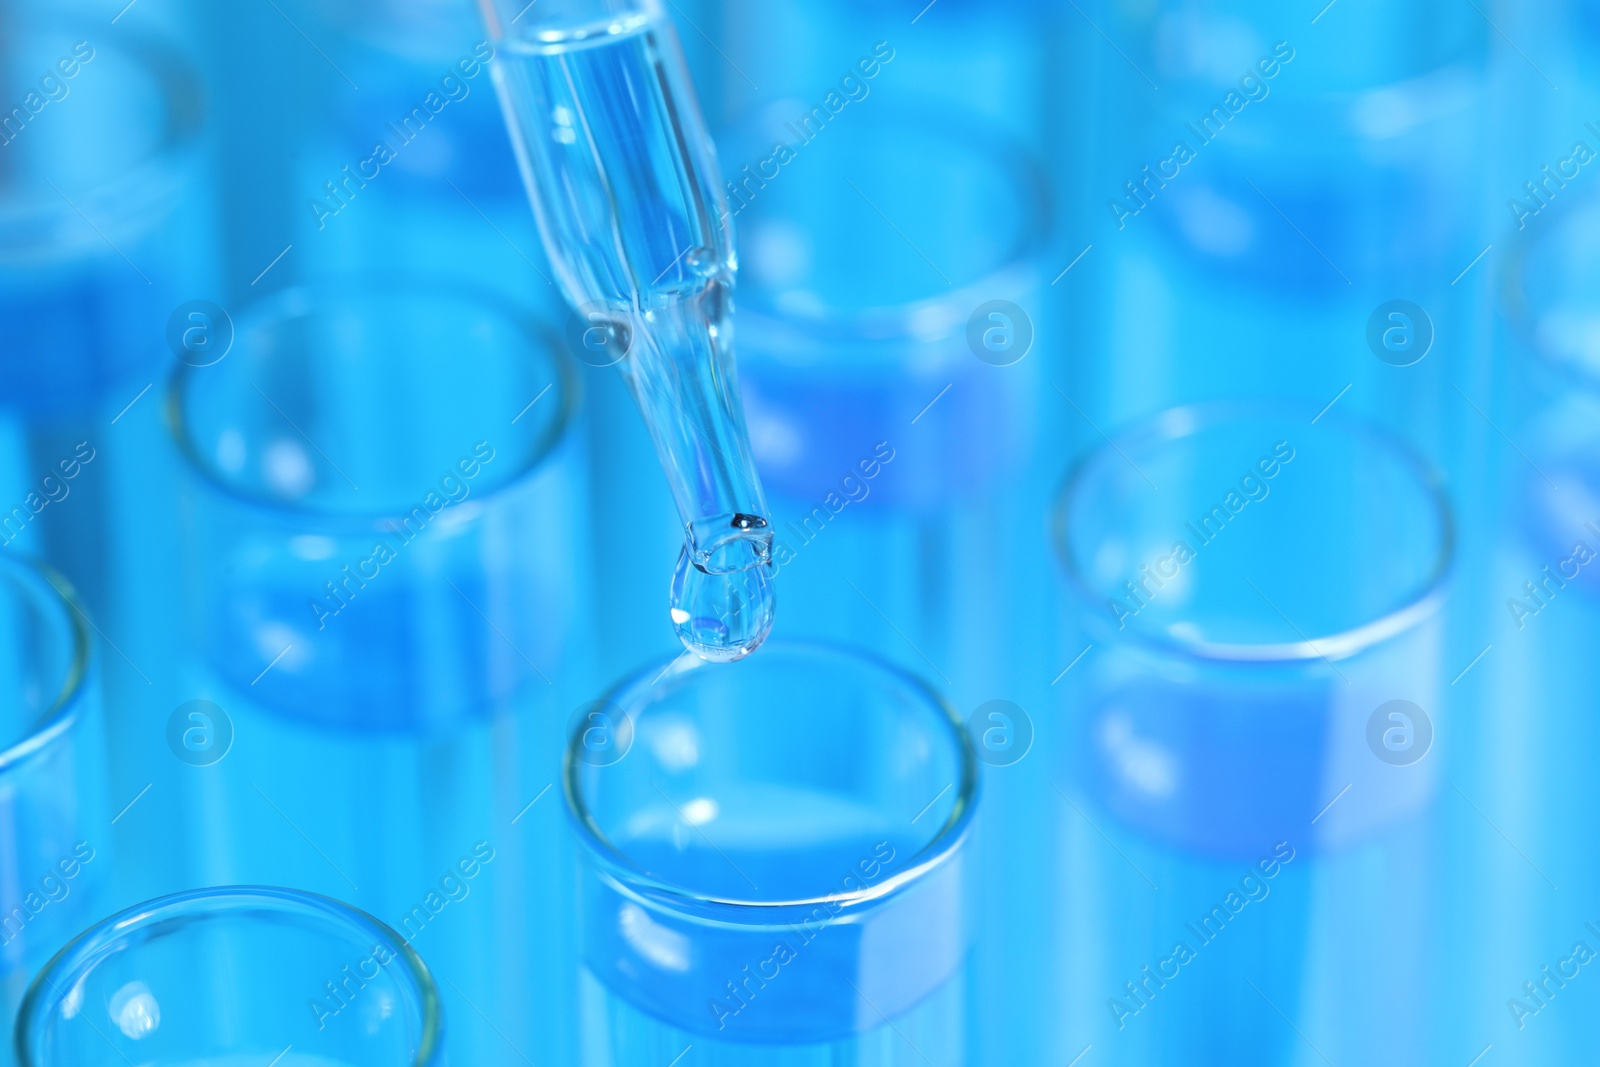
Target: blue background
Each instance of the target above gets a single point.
(1383, 162)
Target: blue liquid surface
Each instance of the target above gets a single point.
(820, 972)
(766, 841)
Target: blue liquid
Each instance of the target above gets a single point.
(765, 841)
(933, 1032)
(822, 976)
(624, 186)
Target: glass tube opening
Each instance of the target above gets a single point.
(233, 976)
(890, 226)
(1549, 299)
(1352, 166)
(885, 254)
(337, 402)
(44, 658)
(1203, 48)
(380, 508)
(1246, 533)
(137, 107)
(1262, 592)
(1551, 291)
(796, 762)
(106, 157)
(566, 19)
(423, 31)
(773, 847)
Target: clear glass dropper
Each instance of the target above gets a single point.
(625, 186)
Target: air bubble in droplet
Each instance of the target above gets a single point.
(722, 617)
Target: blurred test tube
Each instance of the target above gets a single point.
(998, 60)
(896, 358)
(384, 599)
(1554, 333)
(55, 828)
(416, 578)
(891, 260)
(104, 230)
(1266, 186)
(413, 171)
(1260, 679)
(1538, 601)
(231, 976)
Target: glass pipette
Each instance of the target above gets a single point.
(625, 187)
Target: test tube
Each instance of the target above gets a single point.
(426, 31)
(1281, 585)
(413, 171)
(1286, 182)
(55, 854)
(894, 359)
(369, 738)
(1258, 699)
(1539, 595)
(871, 242)
(1549, 302)
(884, 251)
(774, 862)
(233, 976)
(1008, 69)
(114, 144)
(624, 184)
(384, 484)
(103, 233)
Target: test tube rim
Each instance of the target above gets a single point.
(102, 939)
(1014, 275)
(1411, 610)
(1519, 310)
(50, 588)
(634, 881)
(308, 298)
(629, 13)
(1457, 71)
(1470, 53)
(176, 148)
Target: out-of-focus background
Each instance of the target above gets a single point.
(1067, 277)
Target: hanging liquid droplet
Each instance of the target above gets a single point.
(722, 617)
